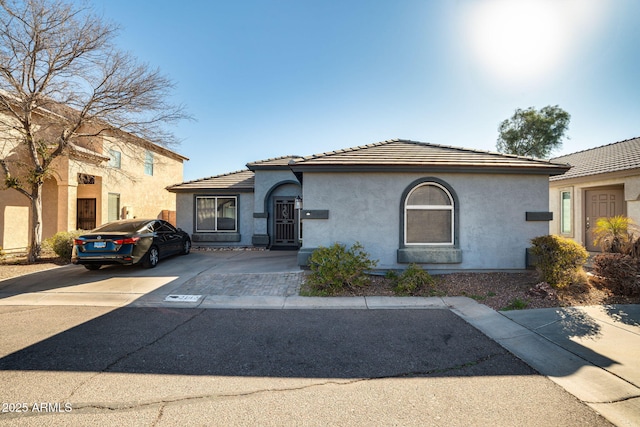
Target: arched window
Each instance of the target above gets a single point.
(429, 216)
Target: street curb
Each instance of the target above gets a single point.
(606, 393)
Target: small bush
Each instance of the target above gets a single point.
(336, 267)
(618, 272)
(62, 243)
(391, 275)
(559, 260)
(411, 280)
(516, 304)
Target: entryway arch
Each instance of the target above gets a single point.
(283, 224)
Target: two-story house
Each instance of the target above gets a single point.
(97, 180)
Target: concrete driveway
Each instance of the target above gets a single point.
(233, 273)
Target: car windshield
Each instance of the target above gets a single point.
(126, 227)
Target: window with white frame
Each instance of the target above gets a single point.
(565, 212)
(115, 159)
(148, 163)
(429, 216)
(216, 213)
(113, 210)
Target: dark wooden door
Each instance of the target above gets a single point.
(603, 203)
(86, 217)
(285, 222)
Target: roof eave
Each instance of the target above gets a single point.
(621, 173)
(253, 167)
(208, 190)
(550, 170)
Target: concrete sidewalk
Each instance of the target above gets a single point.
(592, 352)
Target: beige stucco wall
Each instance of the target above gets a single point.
(629, 180)
(14, 220)
(145, 195)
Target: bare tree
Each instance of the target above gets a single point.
(62, 80)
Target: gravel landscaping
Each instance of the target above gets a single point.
(501, 291)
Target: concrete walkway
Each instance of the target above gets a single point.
(592, 352)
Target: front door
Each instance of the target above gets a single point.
(285, 222)
(86, 217)
(601, 203)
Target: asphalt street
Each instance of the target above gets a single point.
(164, 366)
(117, 346)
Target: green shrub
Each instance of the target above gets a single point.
(337, 267)
(516, 304)
(618, 272)
(559, 260)
(412, 280)
(391, 275)
(62, 243)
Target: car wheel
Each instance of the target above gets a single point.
(186, 247)
(92, 267)
(153, 256)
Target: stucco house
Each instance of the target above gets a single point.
(603, 182)
(99, 179)
(447, 208)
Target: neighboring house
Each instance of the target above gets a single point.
(99, 179)
(447, 208)
(603, 182)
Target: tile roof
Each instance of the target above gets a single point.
(398, 154)
(619, 156)
(279, 162)
(239, 180)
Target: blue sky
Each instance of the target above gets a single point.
(265, 78)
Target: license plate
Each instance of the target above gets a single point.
(100, 245)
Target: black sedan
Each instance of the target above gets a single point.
(130, 241)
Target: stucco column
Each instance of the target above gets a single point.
(67, 205)
(260, 234)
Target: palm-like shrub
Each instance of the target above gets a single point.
(618, 267)
(614, 234)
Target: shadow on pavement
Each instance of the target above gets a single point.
(627, 314)
(576, 323)
(272, 343)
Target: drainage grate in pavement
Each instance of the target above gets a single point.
(183, 298)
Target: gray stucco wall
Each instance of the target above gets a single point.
(269, 183)
(185, 217)
(365, 207)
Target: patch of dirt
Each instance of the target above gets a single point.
(12, 266)
(501, 291)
